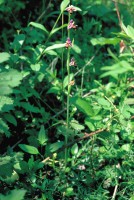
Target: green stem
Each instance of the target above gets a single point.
(62, 63)
(68, 94)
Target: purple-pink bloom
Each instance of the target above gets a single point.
(71, 25)
(68, 43)
(70, 9)
(72, 62)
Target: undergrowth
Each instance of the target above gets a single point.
(66, 100)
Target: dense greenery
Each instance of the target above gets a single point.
(66, 100)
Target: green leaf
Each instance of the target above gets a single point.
(4, 128)
(74, 149)
(39, 26)
(103, 41)
(6, 166)
(65, 81)
(75, 125)
(55, 46)
(57, 29)
(83, 105)
(116, 69)
(76, 48)
(29, 149)
(10, 118)
(126, 147)
(54, 90)
(42, 137)
(90, 124)
(6, 104)
(14, 194)
(4, 57)
(18, 42)
(103, 102)
(30, 108)
(64, 5)
(35, 67)
(69, 192)
(9, 80)
(55, 146)
(130, 32)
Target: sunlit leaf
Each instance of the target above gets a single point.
(4, 57)
(74, 149)
(14, 194)
(64, 5)
(39, 26)
(29, 149)
(82, 105)
(42, 137)
(55, 46)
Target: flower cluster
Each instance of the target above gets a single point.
(68, 43)
(71, 9)
(72, 25)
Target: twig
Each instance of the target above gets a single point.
(118, 14)
(115, 191)
(86, 136)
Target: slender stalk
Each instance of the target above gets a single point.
(62, 62)
(68, 94)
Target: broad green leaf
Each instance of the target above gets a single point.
(35, 67)
(57, 29)
(2, 1)
(9, 80)
(10, 118)
(74, 149)
(39, 26)
(82, 105)
(6, 104)
(116, 69)
(103, 102)
(6, 166)
(130, 32)
(69, 192)
(14, 194)
(11, 179)
(75, 125)
(55, 146)
(76, 48)
(29, 149)
(4, 128)
(54, 90)
(55, 46)
(18, 42)
(126, 147)
(89, 123)
(52, 53)
(65, 81)
(64, 5)
(42, 137)
(102, 41)
(30, 108)
(4, 57)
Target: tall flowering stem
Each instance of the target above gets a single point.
(68, 45)
(71, 25)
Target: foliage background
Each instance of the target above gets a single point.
(33, 102)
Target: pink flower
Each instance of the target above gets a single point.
(71, 25)
(70, 9)
(68, 43)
